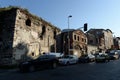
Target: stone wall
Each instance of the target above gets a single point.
(108, 35)
(7, 22)
(37, 34)
(28, 36)
(92, 49)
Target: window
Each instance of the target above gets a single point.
(85, 40)
(91, 41)
(43, 32)
(28, 22)
(78, 38)
(75, 37)
(97, 41)
(19, 17)
(82, 39)
(33, 54)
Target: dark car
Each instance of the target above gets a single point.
(114, 56)
(87, 58)
(83, 59)
(42, 62)
(102, 58)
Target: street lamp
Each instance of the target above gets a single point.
(68, 35)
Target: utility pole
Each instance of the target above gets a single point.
(69, 35)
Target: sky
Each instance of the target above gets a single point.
(98, 14)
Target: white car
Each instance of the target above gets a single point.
(68, 59)
(91, 57)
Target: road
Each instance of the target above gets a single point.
(88, 71)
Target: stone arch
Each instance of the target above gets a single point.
(77, 50)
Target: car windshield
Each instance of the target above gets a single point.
(65, 57)
(46, 56)
(111, 53)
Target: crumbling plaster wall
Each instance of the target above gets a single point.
(31, 35)
(79, 45)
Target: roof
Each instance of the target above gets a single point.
(71, 30)
(100, 30)
(67, 30)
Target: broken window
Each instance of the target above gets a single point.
(91, 41)
(28, 22)
(75, 37)
(33, 54)
(43, 31)
(82, 39)
(78, 38)
(54, 34)
(20, 46)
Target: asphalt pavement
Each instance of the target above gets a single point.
(88, 71)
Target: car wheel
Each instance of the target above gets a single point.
(31, 68)
(76, 62)
(67, 63)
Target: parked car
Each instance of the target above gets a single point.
(113, 55)
(68, 59)
(86, 58)
(58, 55)
(102, 57)
(44, 61)
(91, 57)
(83, 59)
(118, 51)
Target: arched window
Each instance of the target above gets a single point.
(43, 32)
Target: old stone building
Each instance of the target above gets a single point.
(108, 35)
(91, 43)
(116, 41)
(24, 36)
(103, 38)
(76, 44)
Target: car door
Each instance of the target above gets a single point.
(39, 62)
(47, 61)
(72, 59)
(42, 61)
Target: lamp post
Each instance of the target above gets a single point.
(68, 35)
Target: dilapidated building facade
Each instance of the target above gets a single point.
(92, 46)
(103, 38)
(76, 44)
(24, 36)
(116, 41)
